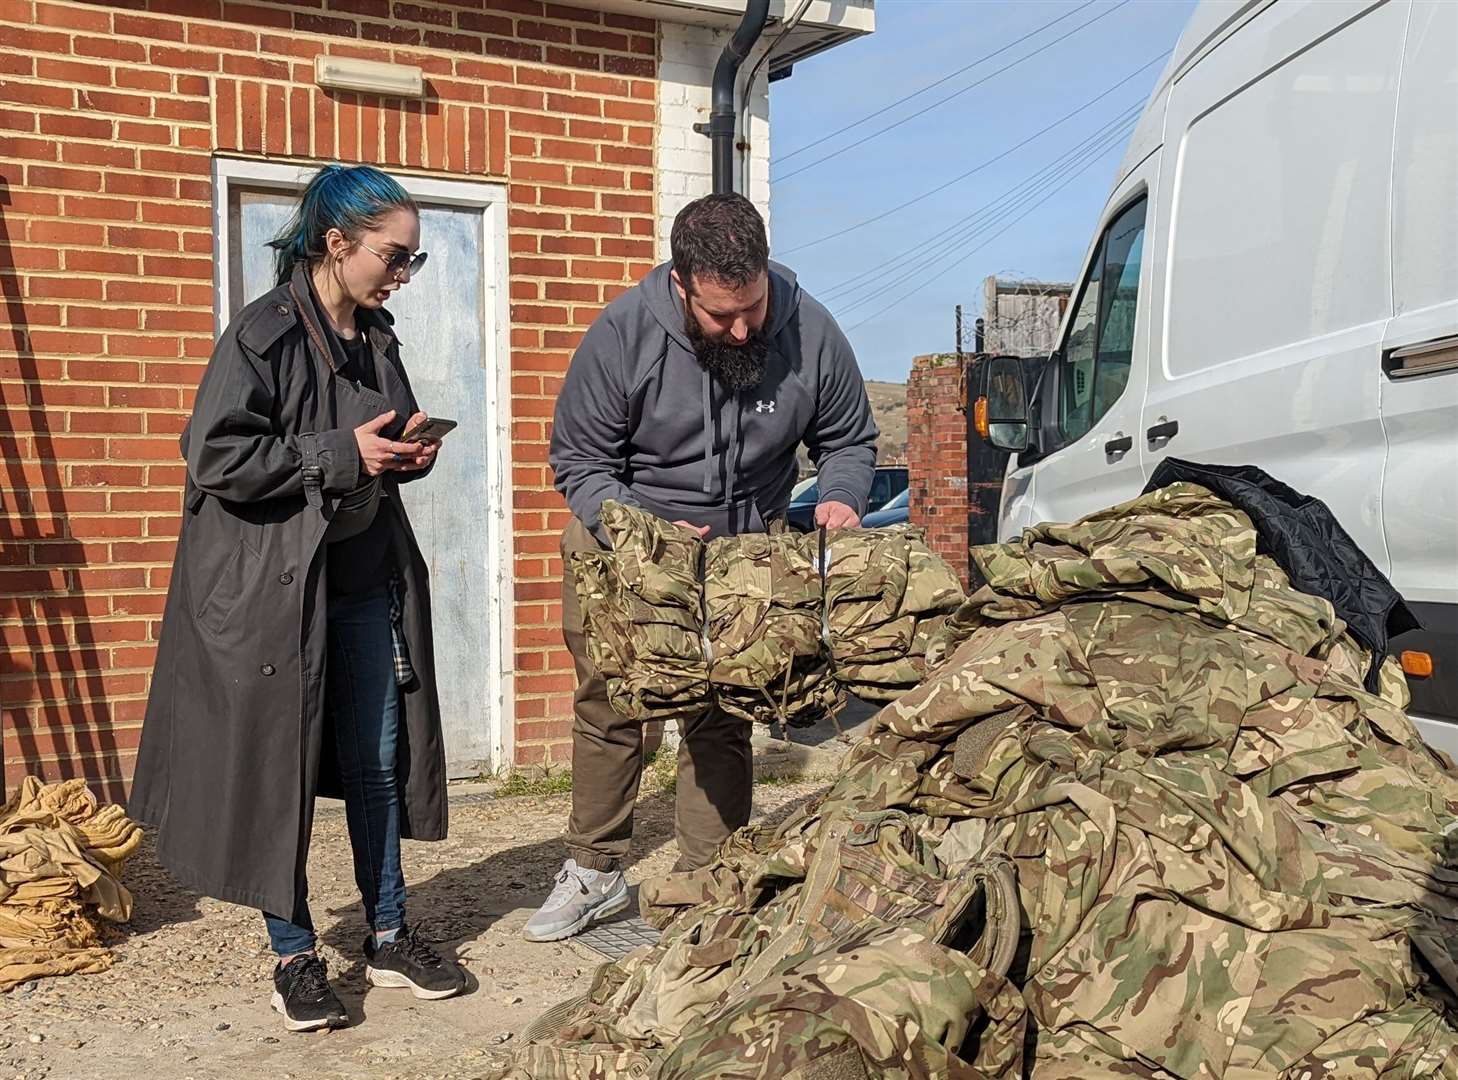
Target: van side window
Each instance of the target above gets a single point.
(1095, 356)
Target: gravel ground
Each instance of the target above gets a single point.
(188, 996)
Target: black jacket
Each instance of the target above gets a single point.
(233, 749)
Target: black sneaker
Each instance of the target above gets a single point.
(410, 962)
(301, 992)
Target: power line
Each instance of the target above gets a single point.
(1114, 129)
(934, 85)
(1014, 209)
(1049, 185)
(982, 165)
(956, 93)
(968, 254)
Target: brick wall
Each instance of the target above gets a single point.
(936, 455)
(108, 120)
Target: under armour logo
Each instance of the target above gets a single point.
(764, 406)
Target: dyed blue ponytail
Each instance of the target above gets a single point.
(350, 198)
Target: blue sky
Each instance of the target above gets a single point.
(917, 43)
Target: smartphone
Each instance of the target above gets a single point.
(431, 429)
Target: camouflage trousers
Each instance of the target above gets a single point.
(715, 766)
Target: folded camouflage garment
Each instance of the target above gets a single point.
(751, 623)
(1149, 758)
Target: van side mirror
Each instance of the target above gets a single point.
(1006, 405)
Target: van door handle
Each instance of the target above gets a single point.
(1122, 445)
(1163, 431)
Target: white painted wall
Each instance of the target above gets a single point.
(685, 71)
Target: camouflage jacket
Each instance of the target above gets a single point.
(1230, 860)
(766, 626)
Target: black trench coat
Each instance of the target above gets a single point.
(233, 747)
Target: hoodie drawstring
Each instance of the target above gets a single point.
(708, 439)
(731, 463)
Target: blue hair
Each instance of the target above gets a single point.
(350, 198)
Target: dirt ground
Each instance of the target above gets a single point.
(188, 996)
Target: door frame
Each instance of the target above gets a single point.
(497, 566)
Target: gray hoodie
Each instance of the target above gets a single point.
(639, 419)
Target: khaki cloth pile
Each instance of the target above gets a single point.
(61, 857)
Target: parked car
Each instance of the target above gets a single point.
(889, 482)
(895, 512)
(1274, 282)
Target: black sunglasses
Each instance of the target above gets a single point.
(400, 263)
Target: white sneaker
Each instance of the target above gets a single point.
(580, 896)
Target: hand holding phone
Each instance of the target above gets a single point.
(431, 429)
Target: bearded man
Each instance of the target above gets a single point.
(688, 398)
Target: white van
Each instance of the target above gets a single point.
(1274, 282)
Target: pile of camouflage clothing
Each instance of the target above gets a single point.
(766, 626)
(1143, 819)
(61, 858)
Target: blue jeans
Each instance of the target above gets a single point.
(364, 709)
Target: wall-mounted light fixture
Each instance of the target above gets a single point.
(369, 76)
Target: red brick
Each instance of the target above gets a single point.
(66, 232)
(484, 24)
(390, 33)
(49, 176)
(176, 214)
(321, 24)
(630, 22)
(107, 48)
(69, 71)
(635, 111)
(598, 39)
(275, 126)
(569, 245)
(112, 102)
(62, 16)
(17, 120)
(36, 95)
(187, 59)
(624, 65)
(136, 131)
(223, 37)
(141, 79)
(299, 121)
(256, 67)
(512, 49)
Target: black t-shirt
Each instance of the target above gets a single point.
(362, 561)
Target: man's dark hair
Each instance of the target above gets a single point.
(719, 238)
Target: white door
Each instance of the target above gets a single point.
(1277, 284)
(1419, 388)
(1420, 394)
(1087, 453)
(451, 331)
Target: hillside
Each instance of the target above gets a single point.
(888, 404)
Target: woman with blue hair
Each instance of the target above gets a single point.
(295, 656)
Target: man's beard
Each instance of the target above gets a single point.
(737, 367)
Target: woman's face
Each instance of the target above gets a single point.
(362, 266)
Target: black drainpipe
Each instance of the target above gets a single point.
(720, 128)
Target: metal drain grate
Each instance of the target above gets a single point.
(618, 937)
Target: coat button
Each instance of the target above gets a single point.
(281, 309)
(267, 669)
(286, 579)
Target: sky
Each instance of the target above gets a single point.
(893, 284)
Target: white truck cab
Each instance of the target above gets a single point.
(1274, 282)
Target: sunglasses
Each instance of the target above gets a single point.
(400, 263)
